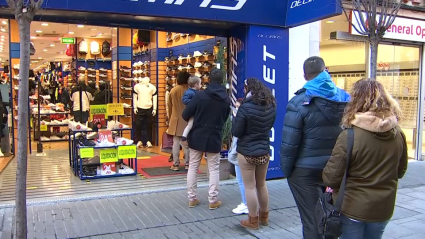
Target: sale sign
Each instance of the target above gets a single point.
(105, 135)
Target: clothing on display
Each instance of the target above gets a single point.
(144, 125)
(94, 48)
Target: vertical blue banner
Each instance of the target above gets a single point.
(262, 52)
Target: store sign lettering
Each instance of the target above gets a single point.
(299, 3)
(401, 29)
(270, 78)
(206, 3)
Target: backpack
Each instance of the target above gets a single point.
(83, 47)
(70, 50)
(106, 48)
(94, 48)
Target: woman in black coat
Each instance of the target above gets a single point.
(252, 126)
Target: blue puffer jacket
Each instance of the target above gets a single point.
(312, 124)
(188, 95)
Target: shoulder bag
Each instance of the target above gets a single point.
(327, 215)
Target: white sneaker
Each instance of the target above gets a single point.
(92, 135)
(103, 75)
(54, 137)
(44, 122)
(103, 69)
(79, 127)
(55, 122)
(139, 144)
(126, 170)
(241, 209)
(107, 171)
(117, 125)
(123, 141)
(197, 54)
(2, 155)
(198, 64)
(149, 144)
(81, 68)
(126, 105)
(43, 138)
(105, 143)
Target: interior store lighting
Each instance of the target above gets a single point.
(70, 32)
(44, 49)
(2, 29)
(94, 29)
(44, 24)
(38, 31)
(52, 45)
(80, 26)
(32, 37)
(4, 22)
(330, 21)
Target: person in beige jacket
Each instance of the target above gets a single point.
(176, 123)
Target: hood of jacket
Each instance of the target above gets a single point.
(330, 99)
(381, 124)
(217, 92)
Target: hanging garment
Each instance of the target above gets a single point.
(95, 48)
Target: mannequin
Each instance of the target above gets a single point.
(145, 100)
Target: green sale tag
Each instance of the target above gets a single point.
(86, 152)
(108, 155)
(127, 152)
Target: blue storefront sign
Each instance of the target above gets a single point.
(262, 52)
(278, 13)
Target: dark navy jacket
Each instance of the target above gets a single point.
(188, 95)
(252, 126)
(312, 125)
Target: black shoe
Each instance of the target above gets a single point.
(206, 75)
(167, 59)
(173, 58)
(206, 53)
(125, 67)
(125, 86)
(181, 57)
(175, 67)
(206, 64)
(189, 66)
(125, 96)
(169, 39)
(169, 68)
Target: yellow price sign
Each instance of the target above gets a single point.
(43, 127)
(98, 110)
(108, 155)
(86, 152)
(115, 109)
(127, 152)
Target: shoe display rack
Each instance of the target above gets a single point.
(101, 153)
(53, 119)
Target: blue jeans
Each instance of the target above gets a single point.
(240, 183)
(361, 230)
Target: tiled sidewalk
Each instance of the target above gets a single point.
(166, 215)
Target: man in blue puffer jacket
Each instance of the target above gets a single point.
(310, 130)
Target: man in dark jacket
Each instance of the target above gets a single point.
(210, 109)
(310, 129)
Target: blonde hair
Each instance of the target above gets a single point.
(369, 95)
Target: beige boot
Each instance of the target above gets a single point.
(264, 218)
(251, 223)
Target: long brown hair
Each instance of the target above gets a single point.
(369, 95)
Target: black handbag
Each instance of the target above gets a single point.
(327, 215)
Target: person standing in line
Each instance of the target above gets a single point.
(379, 158)
(177, 123)
(310, 129)
(233, 158)
(252, 126)
(194, 83)
(210, 109)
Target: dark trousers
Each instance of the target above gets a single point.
(307, 186)
(144, 125)
(82, 118)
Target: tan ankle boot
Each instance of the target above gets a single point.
(251, 223)
(264, 218)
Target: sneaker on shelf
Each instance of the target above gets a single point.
(16, 66)
(126, 78)
(126, 105)
(146, 72)
(206, 53)
(139, 144)
(189, 66)
(65, 121)
(44, 122)
(55, 137)
(119, 125)
(126, 96)
(107, 171)
(135, 65)
(92, 135)
(135, 72)
(140, 63)
(85, 142)
(92, 76)
(123, 141)
(91, 69)
(124, 67)
(189, 56)
(198, 64)
(146, 63)
(16, 77)
(149, 144)
(181, 67)
(79, 127)
(206, 75)
(125, 86)
(81, 68)
(241, 209)
(55, 122)
(181, 57)
(105, 143)
(103, 75)
(16, 87)
(198, 74)
(44, 138)
(206, 64)
(103, 69)
(125, 170)
(197, 54)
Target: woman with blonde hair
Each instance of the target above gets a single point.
(378, 160)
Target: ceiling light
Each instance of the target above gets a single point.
(52, 45)
(32, 37)
(3, 30)
(44, 49)
(59, 38)
(4, 22)
(94, 29)
(330, 21)
(100, 34)
(1, 43)
(44, 24)
(38, 31)
(2, 39)
(80, 26)
(70, 32)
(40, 57)
(2, 36)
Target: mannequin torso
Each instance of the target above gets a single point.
(145, 92)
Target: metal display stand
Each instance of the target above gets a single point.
(76, 162)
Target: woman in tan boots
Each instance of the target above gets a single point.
(252, 126)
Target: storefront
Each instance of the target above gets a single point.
(157, 39)
(400, 67)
